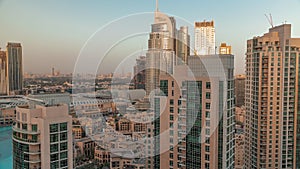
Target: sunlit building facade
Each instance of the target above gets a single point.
(272, 100)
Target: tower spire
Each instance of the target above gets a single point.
(156, 10)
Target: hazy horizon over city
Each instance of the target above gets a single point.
(54, 39)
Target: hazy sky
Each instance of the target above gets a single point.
(53, 32)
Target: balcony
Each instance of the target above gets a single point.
(182, 148)
(33, 161)
(25, 131)
(25, 141)
(33, 152)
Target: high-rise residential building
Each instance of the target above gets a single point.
(14, 67)
(139, 69)
(3, 73)
(272, 100)
(205, 43)
(165, 45)
(42, 137)
(161, 49)
(194, 115)
(224, 49)
(182, 45)
(239, 86)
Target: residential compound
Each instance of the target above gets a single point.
(272, 100)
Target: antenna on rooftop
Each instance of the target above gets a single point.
(270, 19)
(156, 6)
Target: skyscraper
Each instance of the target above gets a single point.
(194, 115)
(182, 45)
(165, 45)
(272, 100)
(42, 137)
(3, 73)
(205, 38)
(161, 49)
(14, 67)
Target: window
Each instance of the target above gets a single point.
(207, 105)
(207, 95)
(34, 127)
(206, 148)
(34, 137)
(171, 117)
(171, 163)
(53, 128)
(24, 126)
(63, 126)
(208, 85)
(63, 146)
(54, 157)
(207, 131)
(171, 101)
(53, 148)
(53, 138)
(63, 155)
(164, 87)
(54, 165)
(171, 109)
(207, 114)
(207, 157)
(63, 136)
(64, 163)
(171, 155)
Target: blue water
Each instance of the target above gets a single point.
(6, 161)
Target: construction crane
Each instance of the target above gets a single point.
(270, 19)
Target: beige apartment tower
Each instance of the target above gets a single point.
(194, 115)
(272, 100)
(42, 138)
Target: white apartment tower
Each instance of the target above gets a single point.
(205, 43)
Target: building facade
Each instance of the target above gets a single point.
(42, 137)
(194, 116)
(271, 101)
(205, 43)
(239, 86)
(139, 78)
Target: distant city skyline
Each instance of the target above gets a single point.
(53, 33)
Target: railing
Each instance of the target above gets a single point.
(26, 141)
(24, 131)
